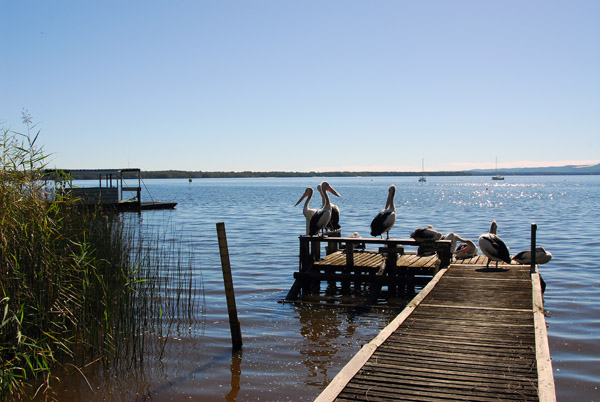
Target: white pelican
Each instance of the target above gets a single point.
(321, 218)
(541, 256)
(467, 249)
(386, 218)
(453, 237)
(426, 234)
(493, 247)
(308, 212)
(334, 222)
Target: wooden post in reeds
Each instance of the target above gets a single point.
(234, 322)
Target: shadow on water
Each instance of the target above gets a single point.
(235, 368)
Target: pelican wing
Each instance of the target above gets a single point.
(494, 248)
(319, 220)
(334, 222)
(383, 222)
(524, 257)
(425, 234)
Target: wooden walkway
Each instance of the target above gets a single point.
(472, 334)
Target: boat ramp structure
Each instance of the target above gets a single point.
(472, 333)
(112, 190)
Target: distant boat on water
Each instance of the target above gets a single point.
(497, 176)
(422, 179)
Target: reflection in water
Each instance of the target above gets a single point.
(322, 328)
(236, 373)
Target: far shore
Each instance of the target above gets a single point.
(182, 174)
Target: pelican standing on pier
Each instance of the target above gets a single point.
(334, 222)
(385, 219)
(322, 217)
(308, 212)
(493, 247)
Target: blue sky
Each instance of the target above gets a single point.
(304, 85)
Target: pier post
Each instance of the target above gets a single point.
(234, 322)
(533, 245)
(306, 264)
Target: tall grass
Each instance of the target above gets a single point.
(76, 285)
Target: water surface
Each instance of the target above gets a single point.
(292, 352)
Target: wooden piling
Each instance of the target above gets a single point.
(234, 322)
(533, 245)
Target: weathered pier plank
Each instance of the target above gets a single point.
(472, 334)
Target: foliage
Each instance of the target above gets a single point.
(76, 285)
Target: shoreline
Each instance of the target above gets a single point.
(182, 174)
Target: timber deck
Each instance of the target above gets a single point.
(360, 274)
(372, 261)
(358, 277)
(472, 334)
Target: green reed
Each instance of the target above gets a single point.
(76, 285)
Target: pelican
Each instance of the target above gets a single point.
(426, 234)
(321, 218)
(493, 247)
(334, 222)
(308, 212)
(453, 237)
(467, 249)
(541, 256)
(386, 218)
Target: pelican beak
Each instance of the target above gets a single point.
(332, 191)
(303, 197)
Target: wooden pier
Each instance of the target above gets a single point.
(361, 274)
(472, 334)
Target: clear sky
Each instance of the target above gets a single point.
(304, 85)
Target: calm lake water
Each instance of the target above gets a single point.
(292, 352)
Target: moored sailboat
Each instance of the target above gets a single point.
(422, 179)
(497, 176)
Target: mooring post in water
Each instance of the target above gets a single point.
(234, 323)
(533, 242)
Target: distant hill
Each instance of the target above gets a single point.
(555, 170)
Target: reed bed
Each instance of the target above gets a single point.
(77, 285)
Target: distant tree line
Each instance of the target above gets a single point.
(181, 174)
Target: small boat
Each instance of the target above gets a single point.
(497, 176)
(422, 179)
